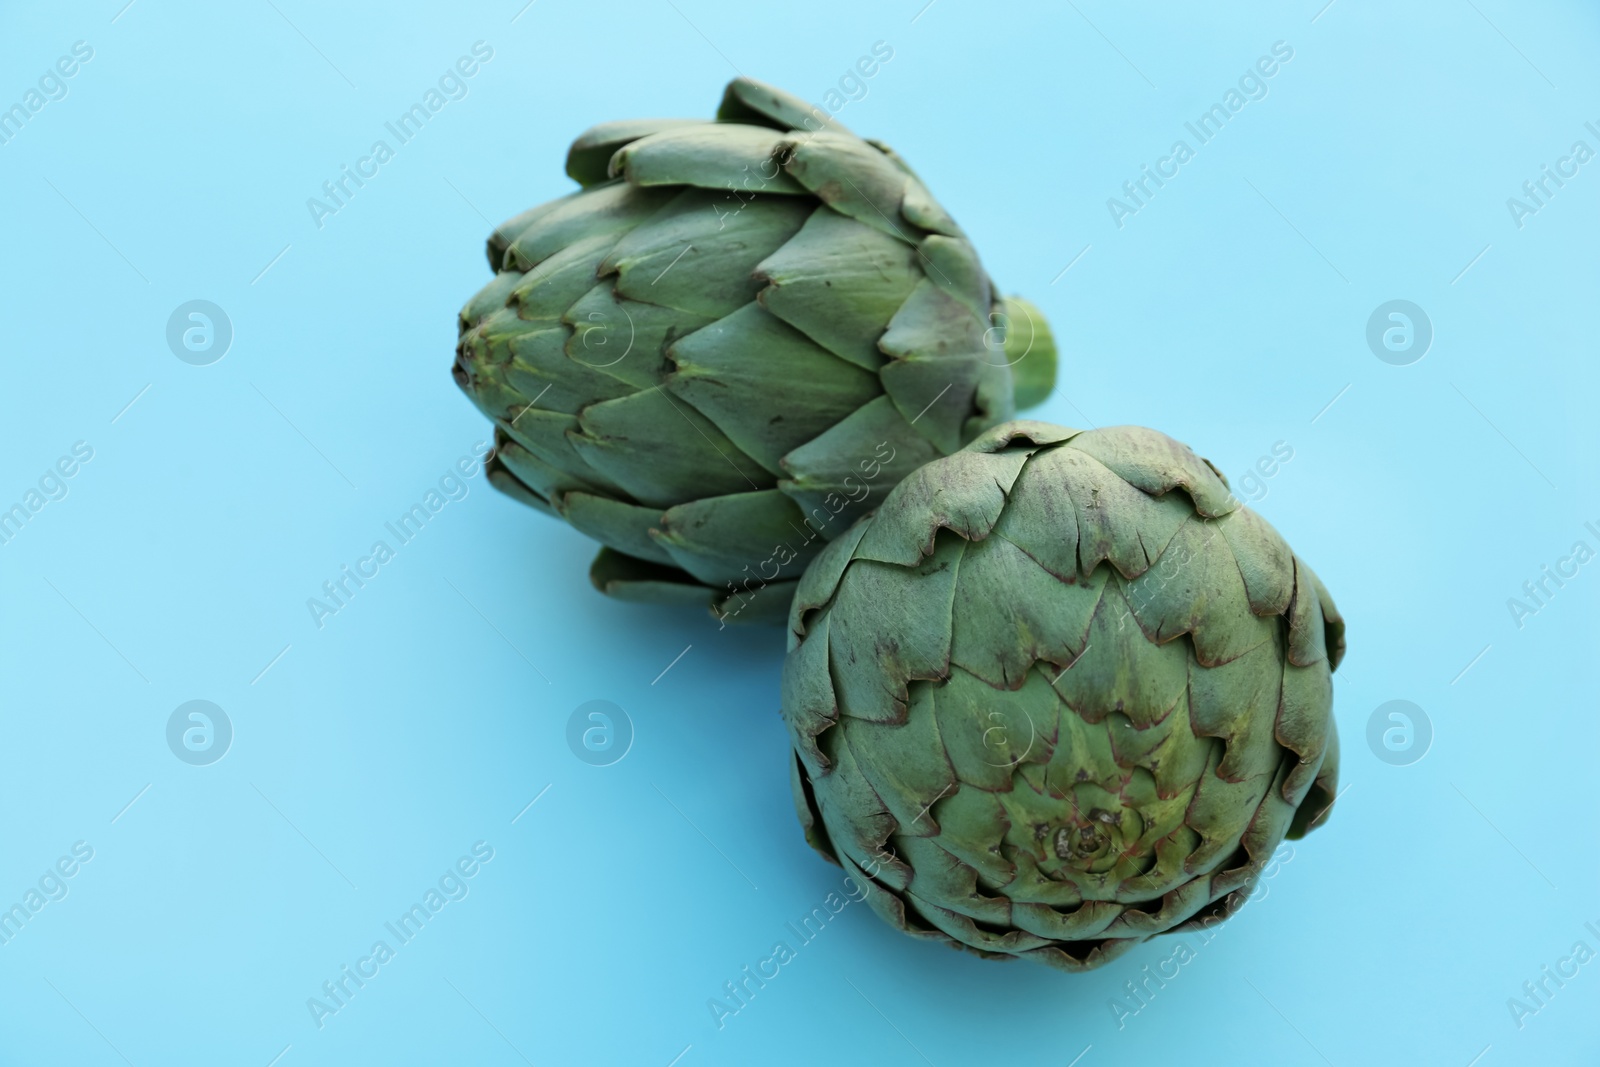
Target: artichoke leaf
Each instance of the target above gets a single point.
(615, 524)
(592, 151)
(852, 178)
(546, 292)
(809, 703)
(965, 494)
(545, 435)
(715, 538)
(600, 215)
(821, 581)
(642, 582)
(951, 264)
(852, 466)
(544, 479)
(661, 451)
(1010, 613)
(696, 255)
(729, 157)
(908, 768)
(1157, 464)
(945, 878)
(624, 338)
(839, 282)
(937, 346)
(872, 669)
(1120, 671)
(732, 368)
(1196, 588)
(755, 103)
(502, 479)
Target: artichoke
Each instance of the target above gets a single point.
(734, 339)
(1061, 693)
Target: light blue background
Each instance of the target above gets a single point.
(427, 714)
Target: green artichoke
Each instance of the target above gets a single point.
(734, 339)
(1061, 693)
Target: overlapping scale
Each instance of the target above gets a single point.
(1060, 694)
(729, 344)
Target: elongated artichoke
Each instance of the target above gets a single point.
(735, 338)
(1062, 692)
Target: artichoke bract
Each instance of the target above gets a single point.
(734, 339)
(1061, 693)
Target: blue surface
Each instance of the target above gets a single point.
(371, 754)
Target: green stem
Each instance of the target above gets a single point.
(1030, 350)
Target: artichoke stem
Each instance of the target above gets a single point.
(1030, 350)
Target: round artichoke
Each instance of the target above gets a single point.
(1062, 692)
(734, 339)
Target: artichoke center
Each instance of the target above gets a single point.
(1093, 841)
